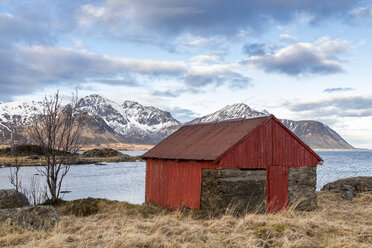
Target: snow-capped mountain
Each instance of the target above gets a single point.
(317, 134)
(235, 111)
(107, 122)
(313, 133)
(135, 122)
(131, 122)
(16, 116)
(18, 113)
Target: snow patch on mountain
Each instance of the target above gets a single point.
(18, 113)
(234, 111)
(138, 123)
(313, 133)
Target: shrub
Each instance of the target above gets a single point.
(82, 207)
(105, 152)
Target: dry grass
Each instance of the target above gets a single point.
(120, 146)
(22, 160)
(336, 223)
(27, 161)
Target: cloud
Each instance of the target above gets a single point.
(128, 81)
(216, 74)
(27, 68)
(16, 77)
(288, 38)
(169, 93)
(255, 49)
(203, 17)
(363, 12)
(183, 115)
(205, 59)
(354, 106)
(332, 90)
(320, 57)
(15, 29)
(66, 63)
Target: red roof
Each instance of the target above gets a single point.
(205, 141)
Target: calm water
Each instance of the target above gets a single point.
(126, 181)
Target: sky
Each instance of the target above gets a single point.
(300, 60)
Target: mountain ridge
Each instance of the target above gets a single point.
(307, 131)
(131, 122)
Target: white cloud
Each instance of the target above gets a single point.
(50, 65)
(199, 76)
(363, 11)
(205, 59)
(202, 17)
(320, 57)
(66, 62)
(288, 38)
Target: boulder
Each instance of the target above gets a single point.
(348, 192)
(349, 187)
(10, 198)
(31, 218)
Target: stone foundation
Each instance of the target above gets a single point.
(233, 191)
(301, 188)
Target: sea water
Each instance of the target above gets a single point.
(125, 181)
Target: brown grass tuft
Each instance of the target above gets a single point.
(336, 223)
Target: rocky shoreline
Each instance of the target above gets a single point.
(350, 187)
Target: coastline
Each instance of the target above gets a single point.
(24, 161)
(120, 147)
(346, 150)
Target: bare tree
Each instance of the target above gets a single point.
(57, 130)
(14, 177)
(34, 192)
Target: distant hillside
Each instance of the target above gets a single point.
(314, 133)
(108, 122)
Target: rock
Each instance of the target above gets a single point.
(348, 192)
(31, 218)
(349, 187)
(360, 184)
(10, 198)
(348, 195)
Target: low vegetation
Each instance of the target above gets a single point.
(104, 152)
(31, 155)
(103, 223)
(22, 150)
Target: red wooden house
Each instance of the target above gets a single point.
(252, 164)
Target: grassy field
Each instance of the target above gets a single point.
(336, 223)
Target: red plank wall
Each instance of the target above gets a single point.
(172, 183)
(270, 145)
